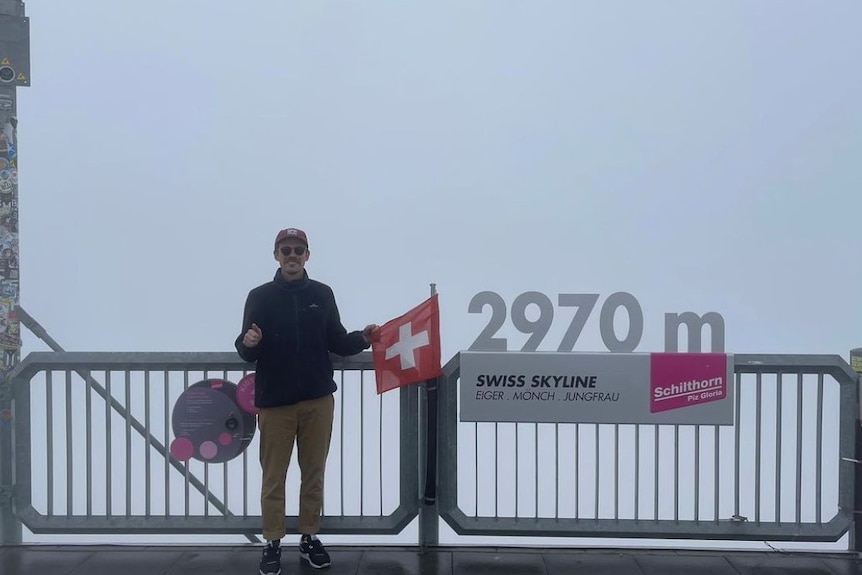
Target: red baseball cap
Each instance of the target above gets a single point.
(291, 233)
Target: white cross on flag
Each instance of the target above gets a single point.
(407, 349)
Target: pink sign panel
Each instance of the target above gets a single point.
(679, 380)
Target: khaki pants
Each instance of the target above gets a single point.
(310, 424)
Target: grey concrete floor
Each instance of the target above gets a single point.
(243, 559)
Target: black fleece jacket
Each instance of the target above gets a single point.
(300, 325)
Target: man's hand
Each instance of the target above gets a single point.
(370, 333)
(252, 336)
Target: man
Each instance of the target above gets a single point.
(290, 325)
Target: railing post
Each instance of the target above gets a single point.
(10, 526)
(856, 536)
(429, 517)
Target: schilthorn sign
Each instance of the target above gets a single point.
(555, 387)
(570, 387)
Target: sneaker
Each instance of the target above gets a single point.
(270, 563)
(311, 549)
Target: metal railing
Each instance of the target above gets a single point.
(784, 471)
(91, 432)
(92, 436)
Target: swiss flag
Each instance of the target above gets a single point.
(407, 349)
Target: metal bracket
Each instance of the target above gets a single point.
(7, 391)
(7, 493)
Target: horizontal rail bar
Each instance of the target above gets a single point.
(351, 525)
(156, 360)
(640, 529)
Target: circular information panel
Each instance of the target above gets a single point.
(208, 423)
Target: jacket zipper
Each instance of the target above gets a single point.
(296, 320)
(296, 335)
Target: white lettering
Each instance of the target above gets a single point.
(686, 388)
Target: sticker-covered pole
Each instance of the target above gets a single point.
(14, 72)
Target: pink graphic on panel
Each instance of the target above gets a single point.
(679, 380)
(245, 394)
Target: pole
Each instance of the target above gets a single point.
(856, 541)
(429, 518)
(14, 72)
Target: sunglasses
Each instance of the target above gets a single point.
(298, 250)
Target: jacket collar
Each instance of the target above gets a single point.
(292, 284)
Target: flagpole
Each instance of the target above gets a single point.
(429, 518)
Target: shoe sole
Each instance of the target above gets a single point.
(307, 558)
(269, 572)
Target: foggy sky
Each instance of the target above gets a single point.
(701, 156)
